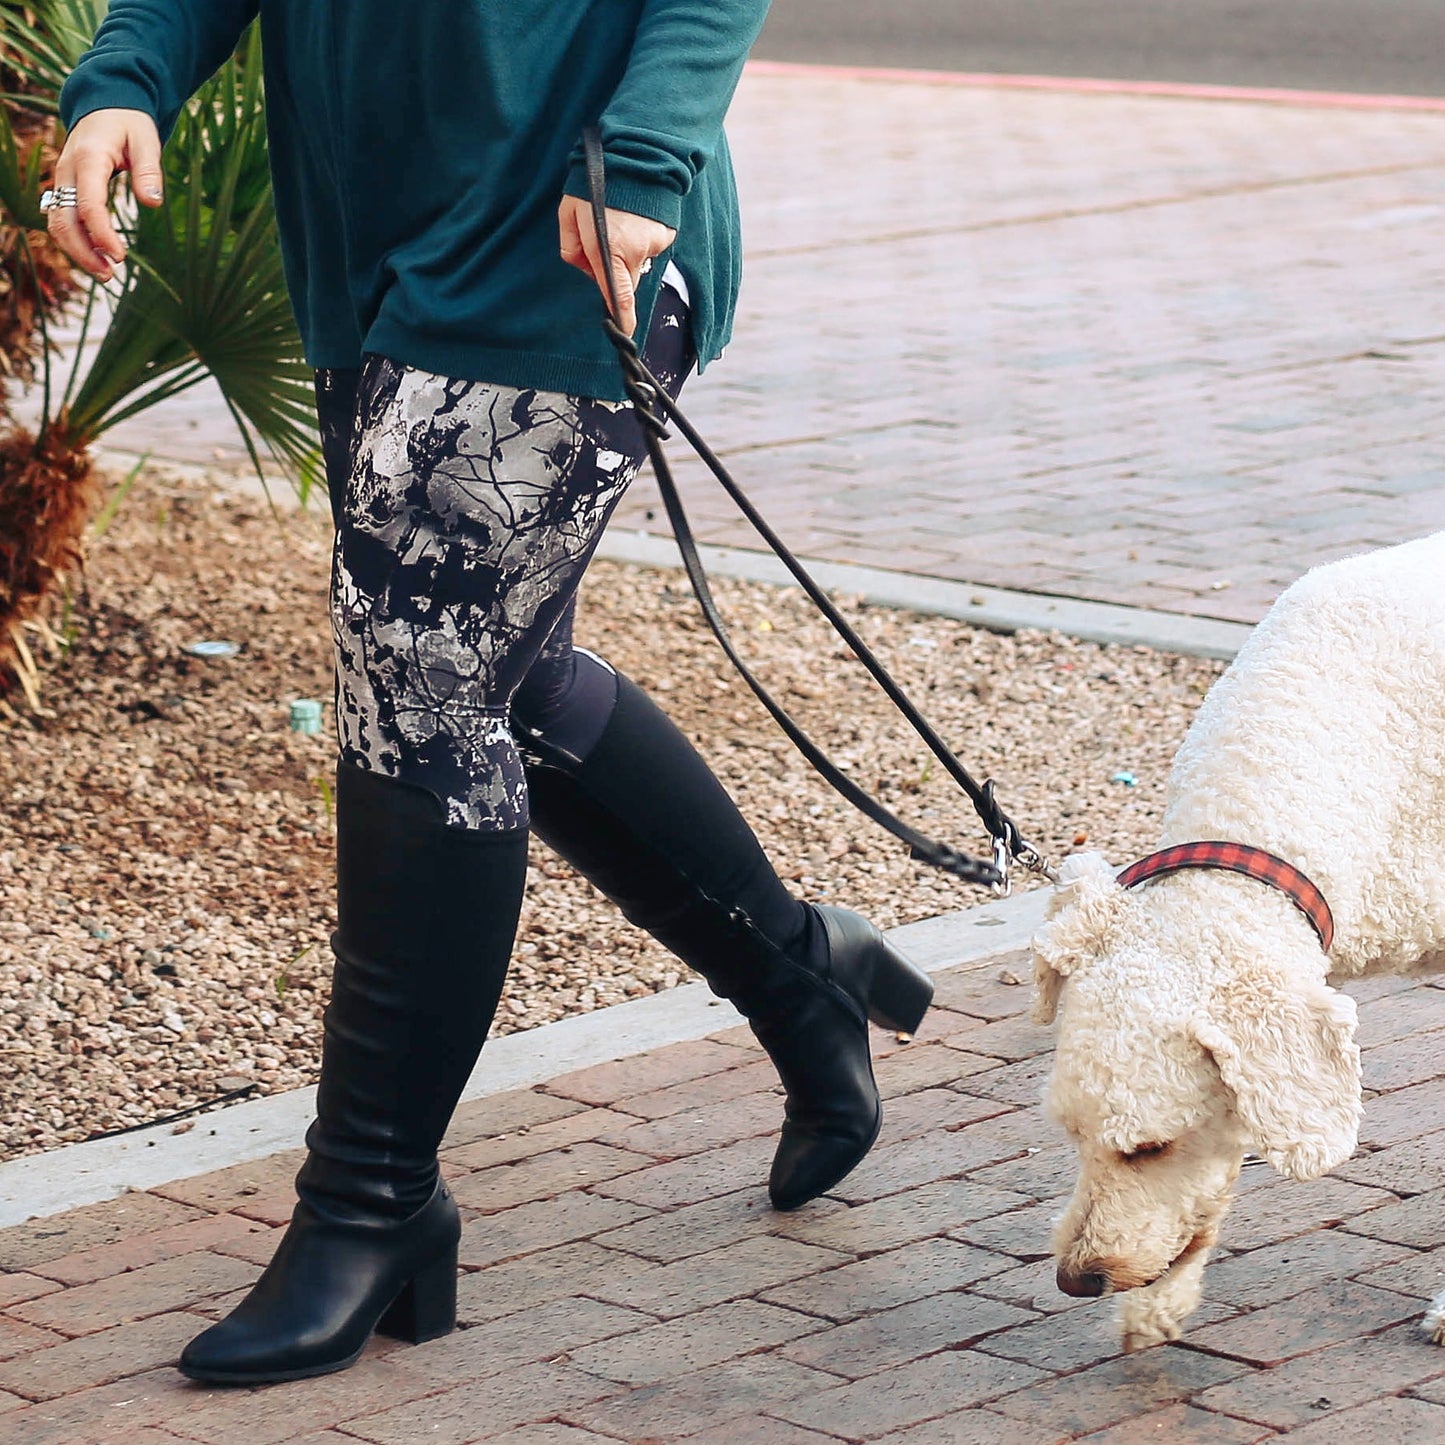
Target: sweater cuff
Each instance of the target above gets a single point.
(628, 193)
(84, 93)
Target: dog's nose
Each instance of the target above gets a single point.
(1081, 1286)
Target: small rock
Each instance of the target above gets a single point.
(1009, 977)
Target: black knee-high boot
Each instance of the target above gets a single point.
(645, 821)
(427, 916)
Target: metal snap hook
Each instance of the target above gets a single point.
(1002, 862)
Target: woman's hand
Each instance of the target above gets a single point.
(634, 239)
(101, 144)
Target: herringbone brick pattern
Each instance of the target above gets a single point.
(1162, 353)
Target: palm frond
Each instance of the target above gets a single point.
(20, 170)
(203, 294)
(40, 41)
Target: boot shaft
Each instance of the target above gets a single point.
(427, 915)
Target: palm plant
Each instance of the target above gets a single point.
(203, 294)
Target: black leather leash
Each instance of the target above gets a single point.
(650, 398)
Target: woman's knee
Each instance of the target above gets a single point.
(564, 705)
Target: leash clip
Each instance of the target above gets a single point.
(1007, 851)
(1003, 864)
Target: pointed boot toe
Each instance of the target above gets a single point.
(329, 1285)
(247, 1352)
(811, 1161)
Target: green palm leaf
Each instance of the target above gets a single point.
(19, 181)
(40, 41)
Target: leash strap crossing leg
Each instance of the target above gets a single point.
(654, 407)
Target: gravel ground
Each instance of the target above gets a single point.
(165, 859)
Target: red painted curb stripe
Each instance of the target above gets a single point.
(1338, 100)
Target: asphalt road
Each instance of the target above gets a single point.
(1384, 46)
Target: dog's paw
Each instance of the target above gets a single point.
(1155, 1314)
(1145, 1320)
(1433, 1322)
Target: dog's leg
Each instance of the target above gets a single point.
(1434, 1321)
(1155, 1314)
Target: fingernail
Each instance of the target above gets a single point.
(155, 193)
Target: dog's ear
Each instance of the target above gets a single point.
(1082, 908)
(1286, 1049)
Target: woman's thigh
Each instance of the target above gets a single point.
(470, 513)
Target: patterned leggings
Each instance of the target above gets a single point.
(466, 514)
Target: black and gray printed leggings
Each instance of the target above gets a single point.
(466, 514)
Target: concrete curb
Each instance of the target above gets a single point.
(992, 607)
(63, 1179)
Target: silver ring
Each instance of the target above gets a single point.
(62, 198)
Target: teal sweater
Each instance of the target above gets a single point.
(419, 151)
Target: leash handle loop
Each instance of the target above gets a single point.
(643, 389)
(655, 407)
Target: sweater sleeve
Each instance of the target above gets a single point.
(665, 118)
(153, 55)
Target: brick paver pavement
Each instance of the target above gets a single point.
(1155, 351)
(1160, 352)
(624, 1279)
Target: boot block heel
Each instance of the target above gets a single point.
(426, 1309)
(898, 993)
(891, 991)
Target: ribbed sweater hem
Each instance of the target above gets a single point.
(526, 370)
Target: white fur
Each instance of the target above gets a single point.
(1195, 1011)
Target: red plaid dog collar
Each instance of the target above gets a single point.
(1240, 858)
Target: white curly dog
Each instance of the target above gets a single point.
(1195, 1020)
